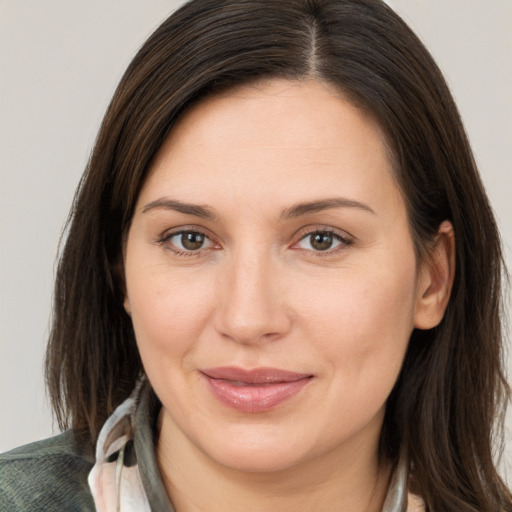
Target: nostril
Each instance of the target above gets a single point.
(249, 308)
(257, 330)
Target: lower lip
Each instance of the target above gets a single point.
(255, 397)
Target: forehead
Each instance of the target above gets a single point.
(276, 136)
(307, 114)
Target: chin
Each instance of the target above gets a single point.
(258, 460)
(261, 452)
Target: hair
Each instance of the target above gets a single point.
(446, 410)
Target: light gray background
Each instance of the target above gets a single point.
(59, 64)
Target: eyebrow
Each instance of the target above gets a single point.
(297, 210)
(203, 212)
(300, 209)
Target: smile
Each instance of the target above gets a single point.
(253, 391)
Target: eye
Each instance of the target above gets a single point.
(187, 241)
(322, 241)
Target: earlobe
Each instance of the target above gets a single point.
(436, 279)
(126, 305)
(120, 278)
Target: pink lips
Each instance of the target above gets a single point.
(257, 390)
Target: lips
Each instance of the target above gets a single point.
(257, 390)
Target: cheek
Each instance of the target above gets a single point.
(362, 321)
(168, 310)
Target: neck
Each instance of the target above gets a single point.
(349, 479)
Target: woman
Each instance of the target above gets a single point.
(280, 287)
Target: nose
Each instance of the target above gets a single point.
(252, 301)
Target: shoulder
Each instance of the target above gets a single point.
(47, 475)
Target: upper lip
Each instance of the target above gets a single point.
(255, 375)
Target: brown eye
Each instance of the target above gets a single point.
(192, 241)
(321, 241)
(187, 242)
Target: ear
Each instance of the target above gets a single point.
(126, 304)
(121, 283)
(435, 279)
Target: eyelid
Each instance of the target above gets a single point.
(168, 234)
(345, 238)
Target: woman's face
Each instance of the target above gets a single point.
(271, 278)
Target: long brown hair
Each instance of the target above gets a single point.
(446, 410)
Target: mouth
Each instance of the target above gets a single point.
(253, 391)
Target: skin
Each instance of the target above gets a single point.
(258, 293)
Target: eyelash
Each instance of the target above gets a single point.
(344, 241)
(166, 237)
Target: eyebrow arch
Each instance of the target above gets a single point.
(296, 210)
(325, 204)
(204, 212)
